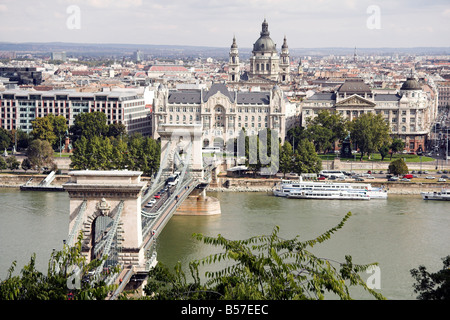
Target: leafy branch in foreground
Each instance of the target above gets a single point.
(57, 283)
(261, 267)
(433, 286)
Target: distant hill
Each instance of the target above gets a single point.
(178, 51)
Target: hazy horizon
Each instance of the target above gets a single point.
(213, 23)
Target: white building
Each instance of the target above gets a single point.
(223, 113)
(409, 111)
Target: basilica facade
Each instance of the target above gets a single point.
(266, 65)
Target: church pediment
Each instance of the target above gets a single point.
(354, 101)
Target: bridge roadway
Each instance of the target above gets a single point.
(153, 221)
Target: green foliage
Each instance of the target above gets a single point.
(433, 286)
(325, 129)
(369, 132)
(262, 267)
(93, 124)
(40, 154)
(3, 164)
(286, 154)
(26, 164)
(5, 139)
(398, 167)
(397, 145)
(13, 163)
(107, 153)
(32, 284)
(306, 159)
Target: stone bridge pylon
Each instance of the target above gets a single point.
(106, 207)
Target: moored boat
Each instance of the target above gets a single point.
(286, 187)
(444, 195)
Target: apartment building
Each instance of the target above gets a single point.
(18, 108)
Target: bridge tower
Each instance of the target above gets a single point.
(106, 206)
(176, 139)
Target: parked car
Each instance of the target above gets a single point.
(321, 178)
(157, 196)
(393, 179)
(429, 177)
(442, 180)
(444, 176)
(405, 179)
(370, 177)
(359, 179)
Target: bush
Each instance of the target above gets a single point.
(398, 167)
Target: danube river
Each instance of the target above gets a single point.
(400, 233)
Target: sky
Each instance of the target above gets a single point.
(213, 23)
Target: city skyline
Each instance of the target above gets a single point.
(309, 24)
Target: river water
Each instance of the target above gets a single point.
(399, 234)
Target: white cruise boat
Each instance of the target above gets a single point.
(444, 195)
(328, 195)
(286, 187)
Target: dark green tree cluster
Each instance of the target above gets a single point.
(265, 267)
(432, 286)
(304, 159)
(99, 146)
(368, 132)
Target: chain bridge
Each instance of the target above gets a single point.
(120, 216)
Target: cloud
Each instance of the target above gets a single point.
(103, 4)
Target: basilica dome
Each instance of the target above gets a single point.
(264, 43)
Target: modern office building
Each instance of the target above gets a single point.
(22, 75)
(18, 108)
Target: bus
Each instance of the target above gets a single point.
(211, 150)
(335, 173)
(173, 179)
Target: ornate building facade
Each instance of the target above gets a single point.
(222, 113)
(409, 111)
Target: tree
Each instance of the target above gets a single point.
(35, 285)
(325, 129)
(5, 139)
(295, 134)
(384, 151)
(286, 155)
(26, 164)
(89, 125)
(432, 286)
(369, 132)
(306, 159)
(397, 145)
(12, 163)
(43, 129)
(116, 130)
(40, 154)
(398, 167)
(3, 164)
(265, 267)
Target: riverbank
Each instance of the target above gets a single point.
(228, 184)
